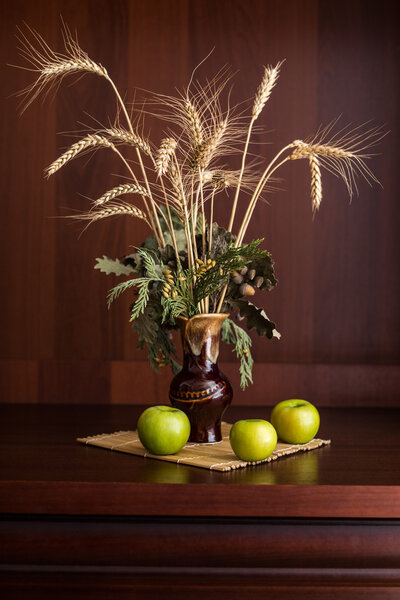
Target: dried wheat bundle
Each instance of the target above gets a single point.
(180, 179)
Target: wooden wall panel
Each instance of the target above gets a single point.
(337, 301)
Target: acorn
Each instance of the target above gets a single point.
(237, 278)
(252, 273)
(244, 270)
(247, 290)
(258, 281)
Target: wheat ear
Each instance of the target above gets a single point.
(316, 182)
(265, 88)
(164, 155)
(204, 153)
(125, 188)
(195, 128)
(90, 141)
(52, 65)
(345, 160)
(120, 135)
(113, 209)
(304, 150)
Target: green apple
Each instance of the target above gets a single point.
(296, 421)
(163, 429)
(253, 439)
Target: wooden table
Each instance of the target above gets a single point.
(83, 522)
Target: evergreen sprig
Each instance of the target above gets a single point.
(172, 308)
(152, 272)
(233, 334)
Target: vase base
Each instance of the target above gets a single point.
(205, 436)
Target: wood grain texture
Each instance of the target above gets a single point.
(334, 584)
(339, 279)
(134, 382)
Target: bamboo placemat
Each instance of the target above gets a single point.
(217, 457)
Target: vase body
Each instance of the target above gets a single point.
(200, 390)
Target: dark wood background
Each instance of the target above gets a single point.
(337, 302)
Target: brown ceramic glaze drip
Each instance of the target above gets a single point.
(200, 389)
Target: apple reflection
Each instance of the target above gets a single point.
(299, 469)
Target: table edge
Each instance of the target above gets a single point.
(201, 499)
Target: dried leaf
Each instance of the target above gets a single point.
(255, 317)
(112, 265)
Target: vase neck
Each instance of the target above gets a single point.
(200, 340)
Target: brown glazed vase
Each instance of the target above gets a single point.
(200, 389)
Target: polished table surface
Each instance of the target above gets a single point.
(82, 522)
(43, 470)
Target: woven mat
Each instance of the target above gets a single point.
(217, 457)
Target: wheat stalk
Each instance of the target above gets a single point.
(90, 141)
(125, 188)
(263, 93)
(316, 182)
(53, 65)
(164, 155)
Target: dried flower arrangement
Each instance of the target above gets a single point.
(190, 264)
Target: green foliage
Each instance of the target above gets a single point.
(166, 288)
(153, 274)
(233, 334)
(172, 308)
(152, 334)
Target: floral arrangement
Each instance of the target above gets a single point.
(190, 264)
